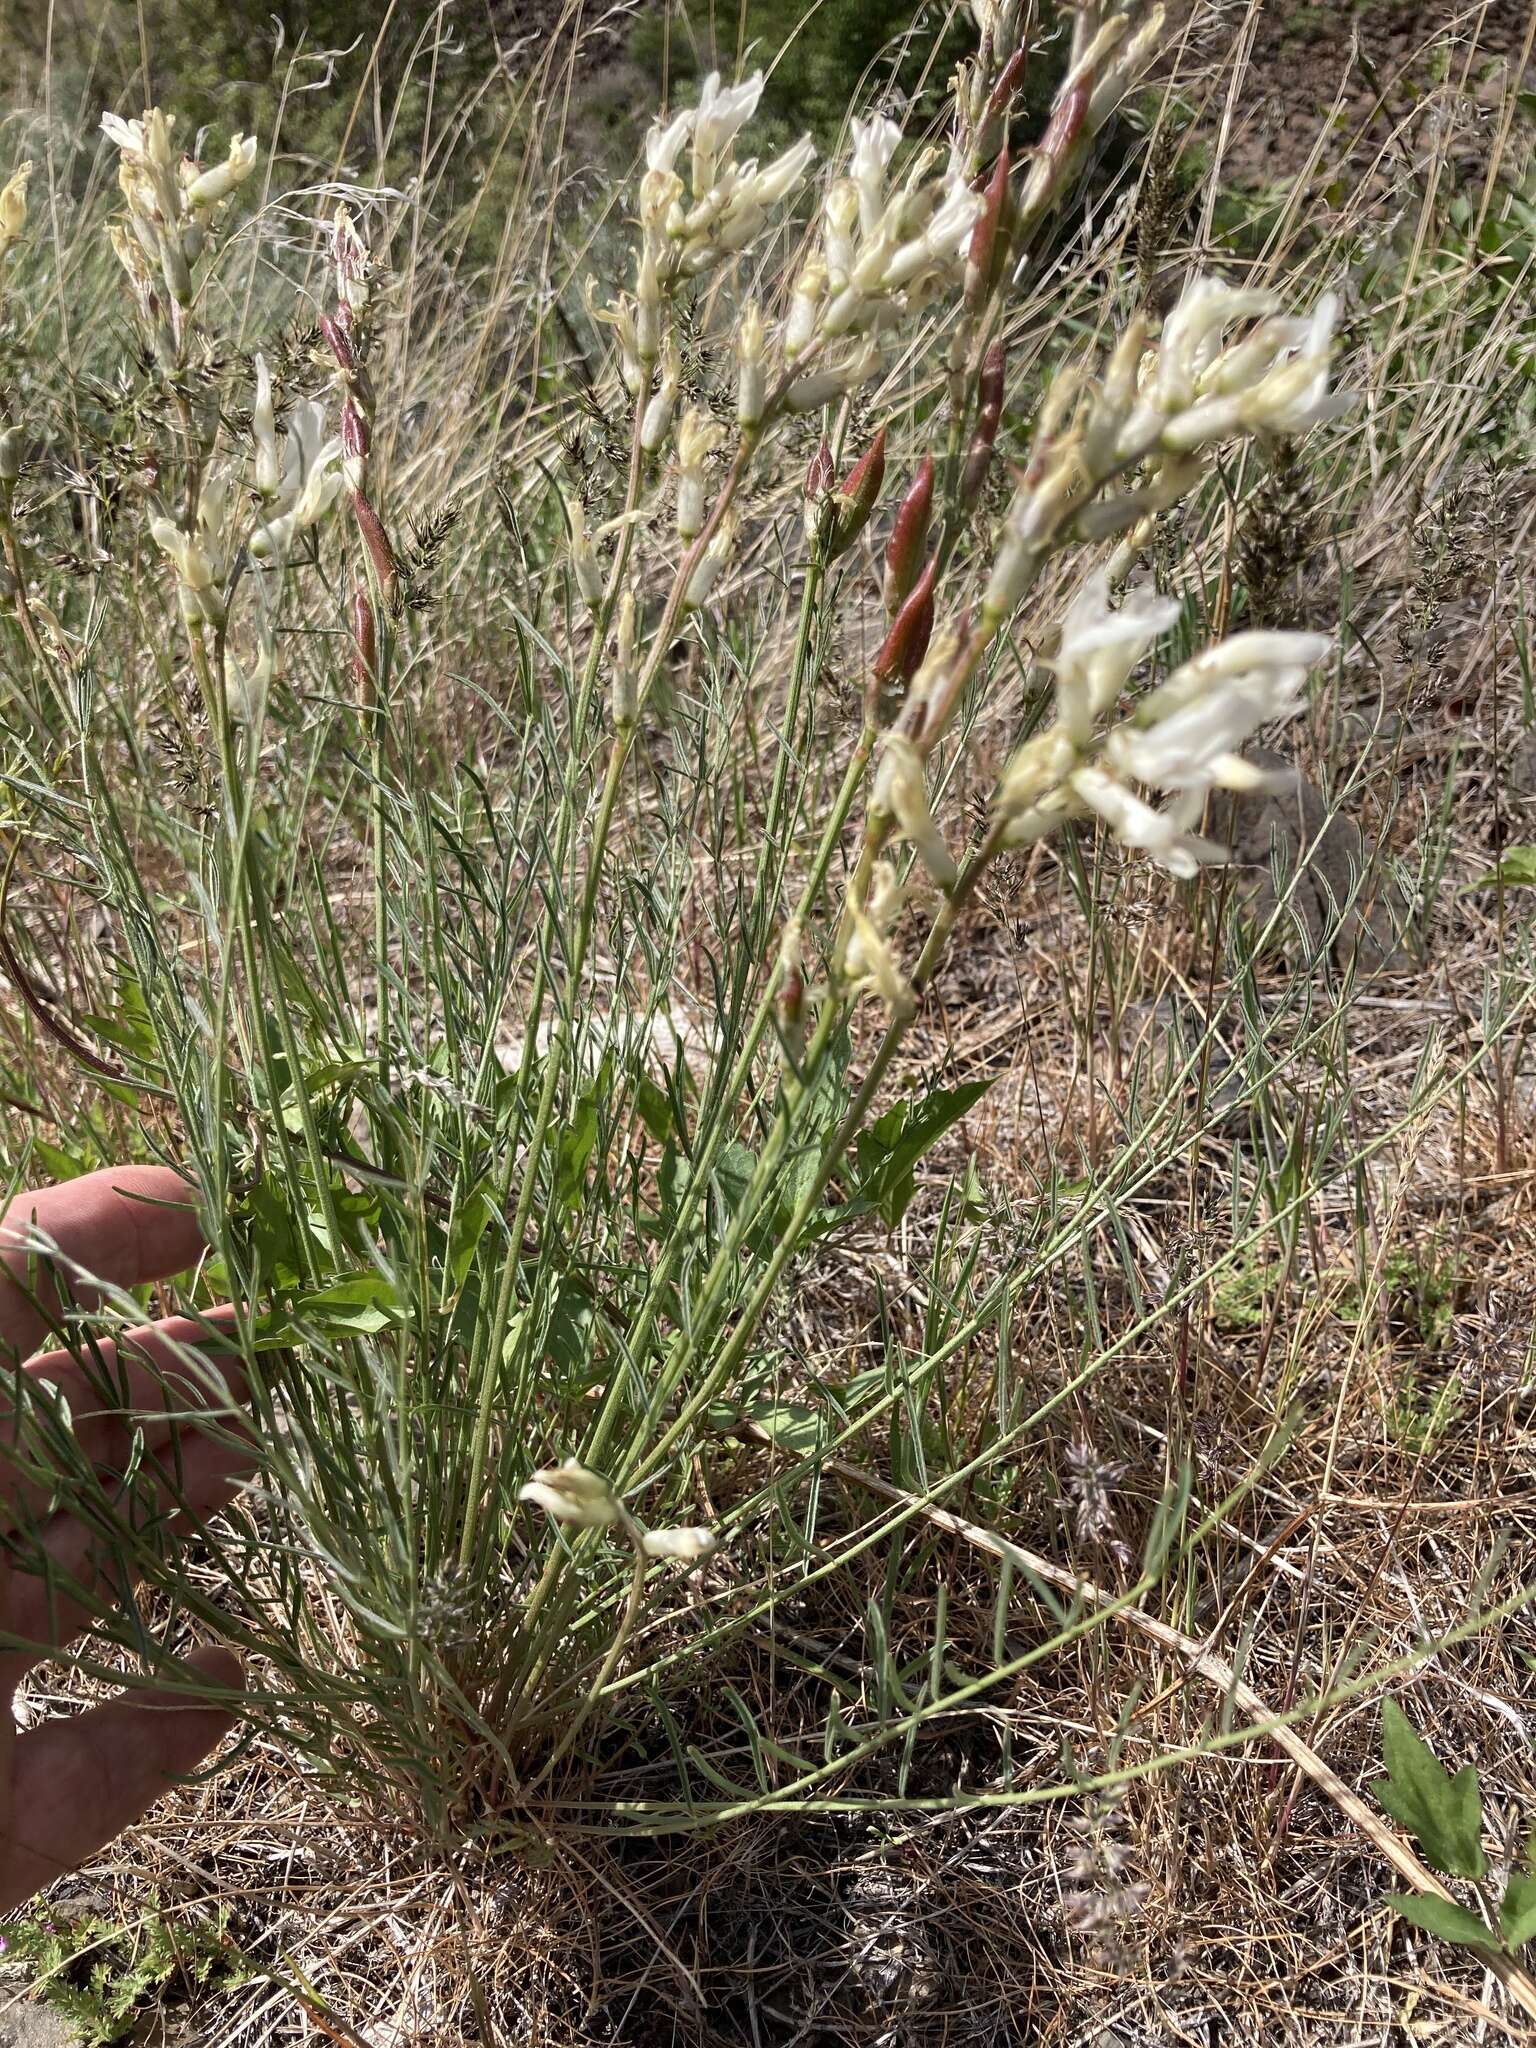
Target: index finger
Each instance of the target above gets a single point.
(122, 1225)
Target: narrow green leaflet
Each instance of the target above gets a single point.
(1443, 1917)
(1445, 1813)
(1517, 1910)
(1516, 870)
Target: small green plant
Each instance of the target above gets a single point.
(101, 1977)
(1444, 1814)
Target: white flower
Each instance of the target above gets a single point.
(776, 180)
(573, 1495)
(722, 112)
(691, 1544)
(311, 482)
(656, 423)
(869, 963)
(1187, 732)
(874, 144)
(193, 567)
(1192, 334)
(264, 433)
(697, 438)
(664, 142)
(711, 564)
(1099, 649)
(209, 187)
(901, 792)
(942, 244)
(1162, 834)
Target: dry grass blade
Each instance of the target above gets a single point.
(1518, 1982)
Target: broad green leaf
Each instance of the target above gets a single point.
(1445, 1813)
(361, 1305)
(889, 1150)
(1517, 1910)
(1516, 869)
(792, 1425)
(1443, 1917)
(577, 1142)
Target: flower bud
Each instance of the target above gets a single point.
(789, 998)
(623, 695)
(857, 498)
(752, 373)
(901, 651)
(904, 550)
(690, 1544)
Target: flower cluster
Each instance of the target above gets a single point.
(1182, 738)
(580, 1499)
(1161, 407)
(171, 203)
(296, 483)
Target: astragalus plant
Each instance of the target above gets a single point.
(515, 931)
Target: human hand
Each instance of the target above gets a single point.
(70, 1785)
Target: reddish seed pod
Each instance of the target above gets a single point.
(1066, 122)
(858, 496)
(365, 648)
(354, 431)
(904, 550)
(818, 475)
(1008, 82)
(902, 650)
(990, 380)
(989, 237)
(376, 540)
(339, 341)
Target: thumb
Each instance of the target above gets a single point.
(76, 1783)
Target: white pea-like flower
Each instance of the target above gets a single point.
(1164, 835)
(207, 189)
(874, 144)
(689, 1544)
(310, 484)
(264, 432)
(665, 139)
(722, 113)
(13, 203)
(901, 793)
(697, 439)
(942, 245)
(572, 1495)
(193, 566)
(1099, 648)
(711, 564)
(869, 961)
(1186, 734)
(656, 423)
